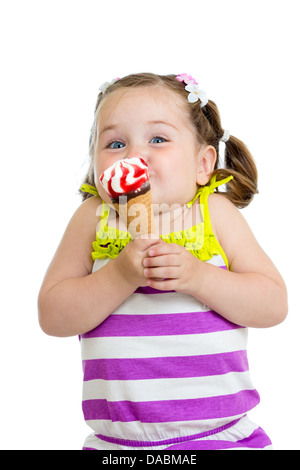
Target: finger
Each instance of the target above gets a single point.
(162, 284)
(163, 260)
(164, 248)
(169, 272)
(146, 243)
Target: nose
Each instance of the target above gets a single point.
(138, 151)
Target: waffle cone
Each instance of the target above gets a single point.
(137, 213)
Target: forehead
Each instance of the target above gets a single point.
(150, 101)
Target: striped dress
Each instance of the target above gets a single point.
(164, 371)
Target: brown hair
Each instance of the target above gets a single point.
(238, 160)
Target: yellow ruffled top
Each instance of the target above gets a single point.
(199, 239)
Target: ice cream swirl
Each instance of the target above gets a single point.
(124, 176)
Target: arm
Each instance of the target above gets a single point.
(251, 293)
(72, 300)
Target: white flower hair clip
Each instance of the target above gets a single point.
(104, 86)
(195, 93)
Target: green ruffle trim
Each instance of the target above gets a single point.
(193, 240)
(111, 241)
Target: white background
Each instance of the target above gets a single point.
(54, 56)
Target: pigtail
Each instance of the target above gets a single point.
(238, 160)
(239, 163)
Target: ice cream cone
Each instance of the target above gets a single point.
(136, 212)
(127, 184)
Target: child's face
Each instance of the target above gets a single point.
(150, 122)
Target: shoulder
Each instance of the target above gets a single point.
(74, 252)
(85, 219)
(221, 211)
(89, 209)
(229, 226)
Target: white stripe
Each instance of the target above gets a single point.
(135, 430)
(99, 263)
(167, 389)
(149, 432)
(216, 260)
(172, 346)
(170, 302)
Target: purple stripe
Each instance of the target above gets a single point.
(257, 440)
(165, 367)
(151, 290)
(221, 406)
(161, 325)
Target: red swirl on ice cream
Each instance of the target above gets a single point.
(124, 176)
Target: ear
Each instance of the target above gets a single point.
(206, 162)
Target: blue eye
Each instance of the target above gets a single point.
(116, 145)
(157, 140)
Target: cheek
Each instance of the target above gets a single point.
(98, 170)
(101, 191)
(165, 163)
(100, 164)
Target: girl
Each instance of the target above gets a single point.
(163, 329)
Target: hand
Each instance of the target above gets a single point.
(171, 267)
(130, 261)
